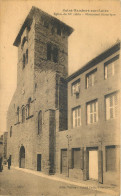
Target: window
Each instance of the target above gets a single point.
(55, 54)
(24, 59)
(110, 158)
(28, 108)
(92, 112)
(23, 41)
(76, 154)
(52, 53)
(76, 115)
(17, 114)
(112, 101)
(76, 87)
(109, 70)
(49, 51)
(23, 114)
(111, 66)
(11, 131)
(39, 122)
(91, 78)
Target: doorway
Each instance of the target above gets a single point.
(93, 164)
(22, 157)
(38, 162)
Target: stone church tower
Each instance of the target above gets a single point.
(39, 106)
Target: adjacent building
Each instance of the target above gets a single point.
(92, 141)
(63, 124)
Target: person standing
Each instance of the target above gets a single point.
(0, 164)
(9, 162)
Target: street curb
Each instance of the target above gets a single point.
(55, 178)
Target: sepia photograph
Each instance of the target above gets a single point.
(60, 97)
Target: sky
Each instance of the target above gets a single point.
(92, 35)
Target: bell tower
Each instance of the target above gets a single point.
(41, 78)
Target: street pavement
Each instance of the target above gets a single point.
(20, 182)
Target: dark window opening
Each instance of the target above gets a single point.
(39, 162)
(39, 122)
(17, 114)
(28, 108)
(52, 53)
(23, 114)
(24, 59)
(55, 55)
(23, 41)
(11, 131)
(49, 51)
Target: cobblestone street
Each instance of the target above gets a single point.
(17, 182)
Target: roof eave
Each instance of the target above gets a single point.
(95, 61)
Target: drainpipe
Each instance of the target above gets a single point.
(68, 137)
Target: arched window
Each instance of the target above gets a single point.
(26, 56)
(39, 122)
(52, 52)
(11, 131)
(23, 41)
(23, 113)
(18, 114)
(28, 108)
(24, 59)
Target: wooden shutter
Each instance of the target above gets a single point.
(107, 108)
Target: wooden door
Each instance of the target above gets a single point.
(93, 164)
(38, 162)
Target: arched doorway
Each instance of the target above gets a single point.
(22, 157)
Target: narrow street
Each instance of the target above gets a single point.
(19, 183)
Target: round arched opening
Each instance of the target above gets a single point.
(22, 157)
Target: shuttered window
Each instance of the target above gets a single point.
(76, 115)
(92, 112)
(110, 158)
(112, 102)
(91, 78)
(111, 67)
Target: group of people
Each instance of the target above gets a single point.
(1, 164)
